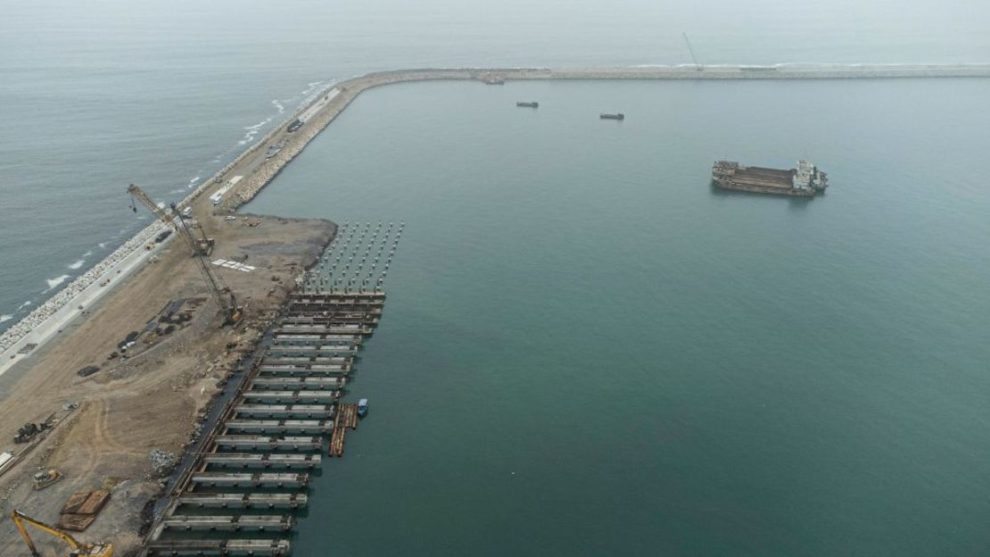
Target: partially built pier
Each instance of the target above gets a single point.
(253, 471)
(268, 445)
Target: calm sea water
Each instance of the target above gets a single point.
(587, 351)
(96, 95)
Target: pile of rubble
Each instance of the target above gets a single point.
(162, 462)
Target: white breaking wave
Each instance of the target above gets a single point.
(77, 264)
(53, 282)
(253, 131)
(193, 182)
(102, 245)
(24, 305)
(6, 317)
(66, 294)
(311, 87)
(279, 106)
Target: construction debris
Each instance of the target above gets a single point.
(162, 462)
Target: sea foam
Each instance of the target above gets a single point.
(77, 264)
(53, 282)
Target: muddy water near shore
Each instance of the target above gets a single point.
(586, 350)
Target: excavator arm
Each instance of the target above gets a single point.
(21, 520)
(77, 549)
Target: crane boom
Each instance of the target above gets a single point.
(694, 58)
(225, 298)
(201, 248)
(202, 244)
(78, 549)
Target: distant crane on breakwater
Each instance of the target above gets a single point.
(697, 65)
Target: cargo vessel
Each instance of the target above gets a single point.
(523, 104)
(804, 181)
(616, 116)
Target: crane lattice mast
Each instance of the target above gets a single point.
(200, 247)
(697, 65)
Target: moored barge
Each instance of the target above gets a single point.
(804, 181)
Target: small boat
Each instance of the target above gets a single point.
(617, 116)
(523, 104)
(362, 408)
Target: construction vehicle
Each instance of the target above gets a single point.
(45, 478)
(199, 243)
(201, 247)
(29, 431)
(76, 548)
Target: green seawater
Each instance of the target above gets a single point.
(588, 351)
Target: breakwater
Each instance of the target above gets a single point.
(343, 93)
(258, 170)
(39, 325)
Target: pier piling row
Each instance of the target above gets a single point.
(243, 500)
(265, 446)
(267, 461)
(299, 383)
(219, 548)
(309, 427)
(236, 523)
(260, 442)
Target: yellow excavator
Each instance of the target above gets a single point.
(76, 548)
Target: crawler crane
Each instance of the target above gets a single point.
(201, 248)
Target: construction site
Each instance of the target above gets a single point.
(175, 398)
(93, 424)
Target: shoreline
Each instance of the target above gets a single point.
(42, 324)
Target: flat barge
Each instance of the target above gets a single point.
(804, 181)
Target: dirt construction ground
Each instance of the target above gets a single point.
(150, 399)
